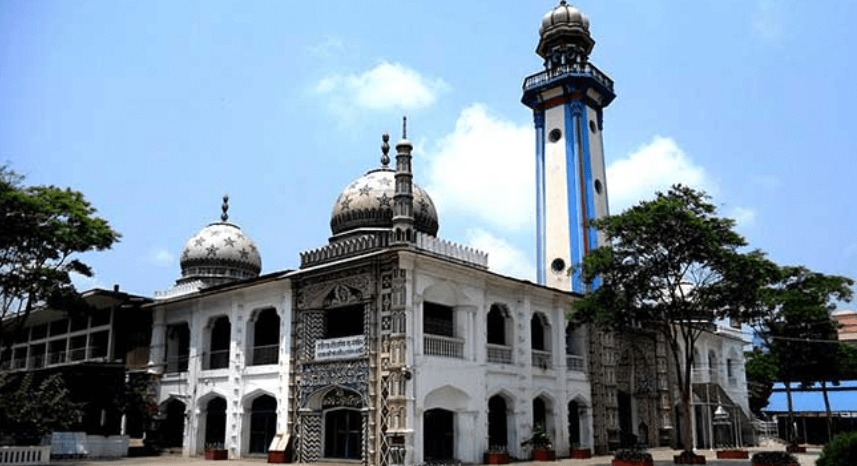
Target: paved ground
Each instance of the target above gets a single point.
(662, 456)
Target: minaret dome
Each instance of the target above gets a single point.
(564, 36)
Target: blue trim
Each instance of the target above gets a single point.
(572, 184)
(541, 269)
(592, 232)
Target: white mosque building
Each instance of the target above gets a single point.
(390, 345)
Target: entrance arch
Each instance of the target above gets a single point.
(215, 422)
(498, 430)
(172, 428)
(263, 423)
(439, 435)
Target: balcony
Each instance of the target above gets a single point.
(574, 363)
(585, 70)
(447, 347)
(218, 359)
(541, 359)
(499, 354)
(177, 364)
(263, 355)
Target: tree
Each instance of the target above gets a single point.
(796, 327)
(673, 266)
(33, 408)
(762, 369)
(44, 229)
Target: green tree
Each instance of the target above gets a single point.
(673, 266)
(29, 408)
(44, 228)
(797, 328)
(762, 369)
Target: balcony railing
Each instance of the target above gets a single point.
(574, 363)
(268, 354)
(57, 357)
(177, 363)
(569, 69)
(218, 359)
(499, 354)
(448, 347)
(541, 359)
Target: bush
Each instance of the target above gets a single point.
(774, 457)
(630, 454)
(841, 451)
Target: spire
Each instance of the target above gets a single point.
(224, 216)
(403, 199)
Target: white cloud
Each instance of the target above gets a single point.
(161, 257)
(767, 21)
(387, 86)
(503, 257)
(653, 167)
(484, 170)
(330, 47)
(743, 216)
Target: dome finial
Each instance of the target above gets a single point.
(404, 127)
(385, 149)
(224, 216)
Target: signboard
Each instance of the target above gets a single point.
(339, 348)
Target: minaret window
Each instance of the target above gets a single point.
(555, 135)
(593, 127)
(597, 186)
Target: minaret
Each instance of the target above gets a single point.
(403, 198)
(567, 99)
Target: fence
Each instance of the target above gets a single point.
(24, 456)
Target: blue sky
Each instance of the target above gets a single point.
(155, 109)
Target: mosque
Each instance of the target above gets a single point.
(390, 345)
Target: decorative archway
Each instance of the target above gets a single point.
(438, 435)
(263, 423)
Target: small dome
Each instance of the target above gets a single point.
(219, 253)
(564, 15)
(562, 26)
(368, 203)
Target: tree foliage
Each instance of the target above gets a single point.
(796, 328)
(762, 371)
(44, 229)
(32, 408)
(673, 266)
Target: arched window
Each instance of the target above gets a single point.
(221, 337)
(266, 338)
(537, 332)
(496, 326)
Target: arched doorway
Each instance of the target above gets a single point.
(439, 435)
(215, 422)
(573, 423)
(498, 437)
(172, 429)
(263, 423)
(343, 434)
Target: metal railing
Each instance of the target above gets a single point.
(268, 354)
(499, 354)
(541, 359)
(569, 69)
(177, 364)
(574, 363)
(218, 359)
(448, 347)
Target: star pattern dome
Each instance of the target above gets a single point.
(368, 203)
(219, 253)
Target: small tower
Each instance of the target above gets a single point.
(403, 199)
(567, 99)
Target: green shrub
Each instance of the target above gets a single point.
(841, 451)
(773, 457)
(631, 454)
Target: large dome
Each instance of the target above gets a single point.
(564, 25)
(368, 203)
(220, 252)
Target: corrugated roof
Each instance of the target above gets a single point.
(843, 399)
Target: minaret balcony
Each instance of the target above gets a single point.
(574, 70)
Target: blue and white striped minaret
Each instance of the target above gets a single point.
(567, 99)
